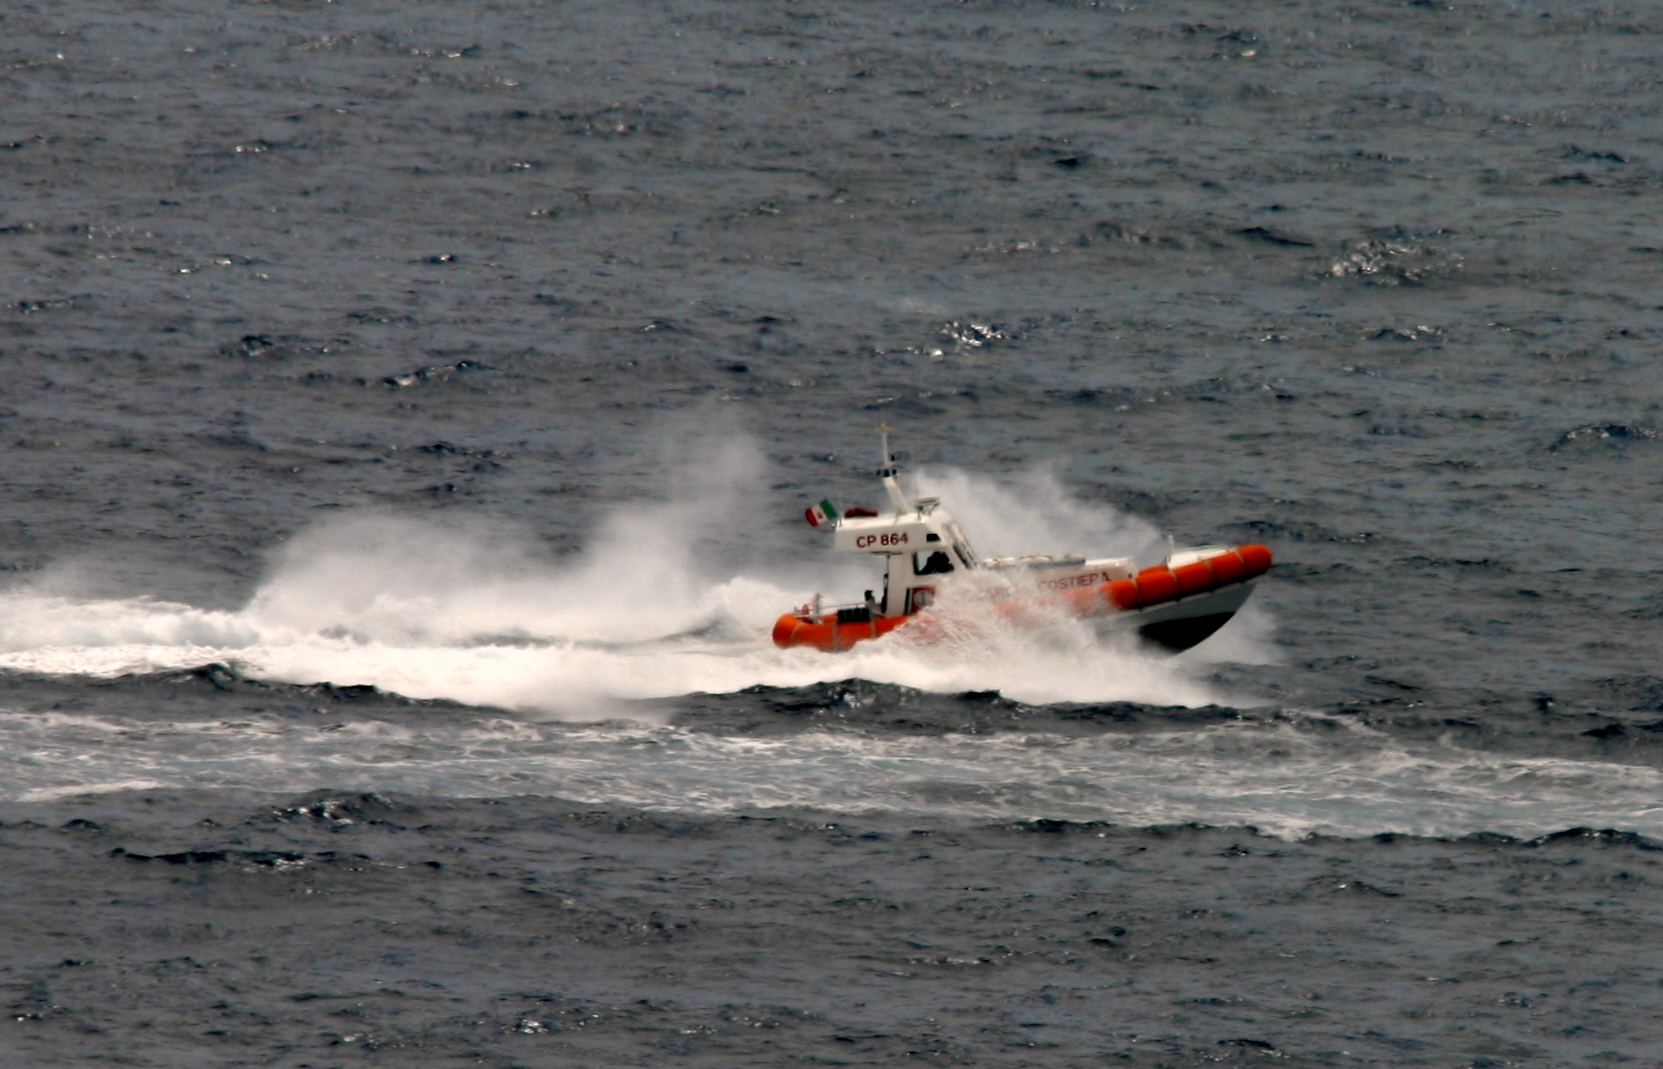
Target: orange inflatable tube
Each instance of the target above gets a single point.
(829, 635)
(1150, 587)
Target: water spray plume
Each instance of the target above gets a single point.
(660, 602)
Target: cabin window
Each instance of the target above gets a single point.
(931, 562)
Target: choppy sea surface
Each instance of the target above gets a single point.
(418, 401)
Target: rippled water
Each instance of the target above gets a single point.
(1275, 777)
(423, 398)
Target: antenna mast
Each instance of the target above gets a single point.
(887, 472)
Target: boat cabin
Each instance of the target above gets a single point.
(924, 547)
(921, 545)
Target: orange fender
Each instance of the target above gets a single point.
(829, 636)
(1160, 583)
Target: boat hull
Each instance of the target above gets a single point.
(1173, 608)
(1188, 622)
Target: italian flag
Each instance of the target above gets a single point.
(824, 512)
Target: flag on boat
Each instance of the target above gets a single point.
(824, 512)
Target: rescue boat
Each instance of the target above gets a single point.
(1174, 605)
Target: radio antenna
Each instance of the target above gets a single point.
(887, 472)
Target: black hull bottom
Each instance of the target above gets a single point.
(1180, 635)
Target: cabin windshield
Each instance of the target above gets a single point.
(961, 546)
(931, 562)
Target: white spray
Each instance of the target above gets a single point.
(661, 602)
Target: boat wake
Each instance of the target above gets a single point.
(485, 615)
(1274, 775)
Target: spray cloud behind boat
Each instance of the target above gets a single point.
(661, 600)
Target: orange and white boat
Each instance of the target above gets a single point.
(1175, 604)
